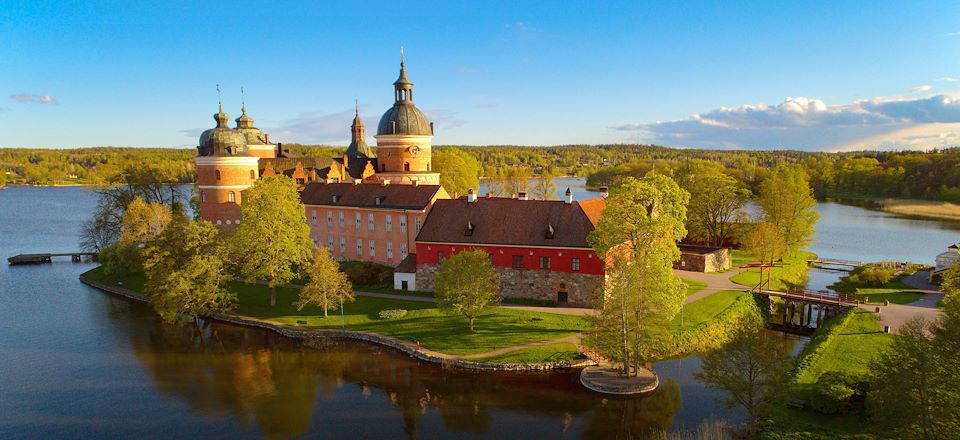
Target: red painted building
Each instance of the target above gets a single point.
(538, 247)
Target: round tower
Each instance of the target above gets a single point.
(258, 142)
(225, 168)
(404, 139)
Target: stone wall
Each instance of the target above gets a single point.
(533, 284)
(713, 261)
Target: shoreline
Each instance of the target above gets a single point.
(312, 337)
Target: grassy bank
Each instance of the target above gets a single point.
(846, 345)
(496, 329)
(693, 286)
(897, 292)
(791, 271)
(922, 208)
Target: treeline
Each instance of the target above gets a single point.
(90, 166)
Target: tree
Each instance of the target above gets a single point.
(467, 284)
(184, 267)
(328, 286)
(750, 368)
(716, 202)
(459, 171)
(912, 394)
(96, 234)
(511, 181)
(544, 187)
(788, 205)
(143, 221)
(765, 242)
(273, 239)
(637, 235)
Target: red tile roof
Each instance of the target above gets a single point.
(408, 265)
(510, 222)
(365, 195)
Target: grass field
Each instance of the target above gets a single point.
(706, 309)
(790, 270)
(922, 208)
(498, 328)
(897, 292)
(564, 351)
(849, 348)
(693, 286)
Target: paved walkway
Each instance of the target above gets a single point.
(895, 315)
(716, 282)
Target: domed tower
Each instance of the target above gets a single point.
(358, 148)
(404, 139)
(224, 169)
(258, 142)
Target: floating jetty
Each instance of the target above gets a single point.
(48, 258)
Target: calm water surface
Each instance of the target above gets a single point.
(79, 363)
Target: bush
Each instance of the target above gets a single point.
(831, 394)
(876, 277)
(393, 313)
(364, 273)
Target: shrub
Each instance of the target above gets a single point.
(364, 273)
(392, 313)
(831, 394)
(876, 277)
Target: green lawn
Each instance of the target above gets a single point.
(740, 257)
(706, 309)
(693, 286)
(498, 328)
(789, 270)
(542, 353)
(897, 292)
(850, 347)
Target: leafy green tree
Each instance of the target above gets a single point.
(143, 221)
(273, 239)
(511, 181)
(328, 287)
(716, 202)
(788, 205)
(185, 271)
(467, 284)
(459, 171)
(750, 369)
(765, 242)
(912, 395)
(637, 235)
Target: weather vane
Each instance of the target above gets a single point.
(219, 98)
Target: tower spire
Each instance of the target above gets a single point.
(219, 98)
(403, 88)
(243, 101)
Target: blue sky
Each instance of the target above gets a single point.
(805, 75)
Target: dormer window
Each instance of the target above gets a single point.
(378, 200)
(550, 231)
(468, 231)
(335, 198)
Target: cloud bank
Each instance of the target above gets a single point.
(810, 124)
(28, 98)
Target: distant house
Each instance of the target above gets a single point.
(702, 258)
(538, 247)
(944, 261)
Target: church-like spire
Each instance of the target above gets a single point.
(221, 117)
(358, 145)
(403, 88)
(244, 121)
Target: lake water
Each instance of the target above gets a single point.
(78, 363)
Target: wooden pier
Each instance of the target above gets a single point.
(833, 264)
(47, 258)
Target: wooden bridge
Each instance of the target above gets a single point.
(830, 263)
(47, 258)
(823, 297)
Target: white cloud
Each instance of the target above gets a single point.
(317, 127)
(444, 118)
(947, 79)
(521, 26)
(922, 89)
(34, 99)
(806, 123)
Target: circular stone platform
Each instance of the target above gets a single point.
(607, 379)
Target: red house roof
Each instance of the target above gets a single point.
(503, 221)
(370, 195)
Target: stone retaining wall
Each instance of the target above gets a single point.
(529, 284)
(314, 337)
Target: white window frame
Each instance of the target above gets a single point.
(389, 250)
(341, 219)
(231, 197)
(359, 247)
(417, 223)
(330, 243)
(314, 217)
(370, 222)
(389, 222)
(358, 218)
(373, 248)
(403, 223)
(329, 219)
(343, 245)
(403, 250)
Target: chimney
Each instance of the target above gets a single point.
(522, 196)
(569, 195)
(604, 192)
(431, 128)
(384, 182)
(471, 196)
(416, 183)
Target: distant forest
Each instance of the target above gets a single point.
(932, 175)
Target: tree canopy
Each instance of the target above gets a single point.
(788, 206)
(459, 171)
(328, 287)
(467, 284)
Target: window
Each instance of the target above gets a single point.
(406, 166)
(373, 248)
(403, 250)
(575, 264)
(253, 175)
(359, 247)
(417, 224)
(389, 250)
(341, 219)
(440, 257)
(343, 245)
(217, 172)
(314, 216)
(518, 261)
(403, 223)
(299, 180)
(315, 241)
(370, 221)
(357, 219)
(330, 243)
(329, 219)
(544, 262)
(389, 222)
(231, 197)
(203, 196)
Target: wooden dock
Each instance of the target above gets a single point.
(833, 264)
(48, 258)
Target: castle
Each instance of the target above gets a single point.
(377, 206)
